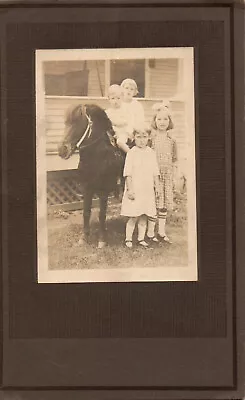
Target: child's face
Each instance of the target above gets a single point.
(115, 99)
(162, 121)
(141, 139)
(128, 91)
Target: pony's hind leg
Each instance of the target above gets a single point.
(102, 219)
(87, 206)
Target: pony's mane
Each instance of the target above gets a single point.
(99, 115)
(96, 113)
(72, 114)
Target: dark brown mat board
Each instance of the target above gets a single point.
(133, 340)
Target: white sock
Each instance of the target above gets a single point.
(151, 227)
(142, 222)
(162, 216)
(130, 228)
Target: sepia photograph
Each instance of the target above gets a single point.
(116, 165)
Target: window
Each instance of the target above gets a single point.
(134, 69)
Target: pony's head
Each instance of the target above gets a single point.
(83, 125)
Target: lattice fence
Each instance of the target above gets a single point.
(63, 190)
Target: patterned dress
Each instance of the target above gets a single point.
(166, 152)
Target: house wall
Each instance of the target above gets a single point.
(55, 108)
(166, 72)
(157, 70)
(162, 80)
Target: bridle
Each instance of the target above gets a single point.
(87, 132)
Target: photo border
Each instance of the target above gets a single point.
(238, 228)
(158, 273)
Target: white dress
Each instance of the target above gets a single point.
(141, 165)
(135, 114)
(120, 123)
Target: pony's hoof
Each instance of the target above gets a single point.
(101, 245)
(80, 242)
(85, 239)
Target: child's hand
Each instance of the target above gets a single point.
(157, 193)
(175, 179)
(131, 195)
(157, 188)
(175, 183)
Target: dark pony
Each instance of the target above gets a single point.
(89, 130)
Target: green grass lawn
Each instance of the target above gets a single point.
(65, 251)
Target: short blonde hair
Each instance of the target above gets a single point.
(162, 107)
(129, 81)
(114, 89)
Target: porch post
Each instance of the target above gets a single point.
(107, 76)
(181, 77)
(147, 78)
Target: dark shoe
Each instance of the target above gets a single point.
(164, 239)
(143, 244)
(152, 240)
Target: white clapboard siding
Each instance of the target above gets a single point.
(163, 78)
(56, 108)
(58, 118)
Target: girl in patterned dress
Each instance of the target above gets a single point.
(166, 152)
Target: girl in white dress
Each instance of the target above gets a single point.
(141, 188)
(132, 107)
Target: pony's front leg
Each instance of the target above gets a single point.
(87, 206)
(102, 219)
